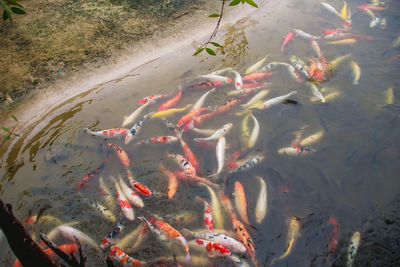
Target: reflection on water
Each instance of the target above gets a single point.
(347, 180)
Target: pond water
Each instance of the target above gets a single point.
(350, 174)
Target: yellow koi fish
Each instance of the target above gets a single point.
(344, 41)
(343, 12)
(292, 236)
(356, 72)
(169, 112)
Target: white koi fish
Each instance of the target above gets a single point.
(220, 151)
(316, 92)
(219, 133)
(256, 66)
(332, 10)
(356, 72)
(312, 138)
(262, 201)
(298, 66)
(131, 118)
(130, 195)
(255, 99)
(70, 233)
(305, 35)
(200, 102)
(254, 133)
(273, 65)
(276, 100)
(217, 78)
(294, 73)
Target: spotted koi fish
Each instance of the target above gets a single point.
(116, 254)
(249, 164)
(245, 238)
(113, 236)
(150, 98)
(208, 219)
(212, 249)
(159, 140)
(186, 166)
(138, 186)
(166, 231)
(135, 129)
(203, 86)
(94, 174)
(122, 155)
(107, 134)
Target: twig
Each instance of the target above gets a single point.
(26, 250)
(70, 259)
(82, 259)
(181, 15)
(214, 33)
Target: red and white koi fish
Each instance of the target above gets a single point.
(188, 152)
(135, 129)
(94, 174)
(159, 140)
(166, 231)
(70, 233)
(219, 133)
(238, 80)
(217, 78)
(113, 236)
(150, 98)
(208, 220)
(124, 203)
(116, 254)
(240, 201)
(203, 86)
(372, 7)
(286, 40)
(337, 30)
(188, 117)
(66, 248)
(212, 249)
(257, 76)
(108, 134)
(185, 165)
(172, 181)
(172, 102)
(138, 186)
(122, 155)
(333, 240)
(130, 195)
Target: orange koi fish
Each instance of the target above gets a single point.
(240, 201)
(172, 181)
(159, 140)
(371, 7)
(166, 231)
(172, 102)
(188, 117)
(245, 238)
(257, 76)
(123, 157)
(182, 176)
(208, 220)
(116, 254)
(188, 152)
(286, 40)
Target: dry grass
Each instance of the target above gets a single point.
(62, 36)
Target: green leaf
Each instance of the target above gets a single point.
(14, 3)
(17, 135)
(234, 2)
(17, 10)
(5, 129)
(5, 16)
(210, 51)
(198, 51)
(216, 44)
(214, 15)
(13, 117)
(251, 2)
(6, 138)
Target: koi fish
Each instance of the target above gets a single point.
(201, 100)
(255, 99)
(273, 65)
(258, 65)
(230, 243)
(305, 35)
(316, 92)
(286, 40)
(172, 181)
(217, 78)
(292, 235)
(276, 100)
(371, 7)
(203, 86)
(245, 238)
(249, 164)
(166, 231)
(374, 22)
(170, 103)
(334, 64)
(106, 194)
(70, 233)
(254, 133)
(188, 152)
(106, 213)
(185, 165)
(312, 138)
(108, 134)
(182, 176)
(159, 140)
(215, 208)
(213, 249)
(249, 88)
(124, 203)
(238, 80)
(113, 236)
(298, 66)
(188, 117)
(150, 99)
(295, 151)
(94, 174)
(244, 133)
(227, 205)
(130, 195)
(208, 220)
(170, 112)
(356, 72)
(353, 247)
(332, 10)
(337, 30)
(240, 201)
(221, 71)
(123, 157)
(220, 151)
(135, 115)
(138, 186)
(219, 133)
(333, 241)
(262, 201)
(116, 254)
(135, 129)
(128, 239)
(200, 131)
(257, 76)
(344, 42)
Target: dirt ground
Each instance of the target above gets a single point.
(56, 39)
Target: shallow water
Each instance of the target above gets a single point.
(351, 175)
